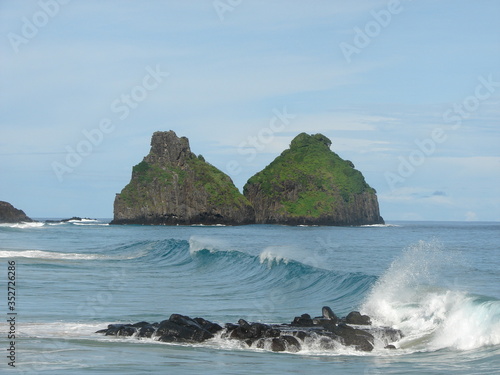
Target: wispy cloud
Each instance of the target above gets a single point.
(227, 77)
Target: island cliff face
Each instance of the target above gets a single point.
(309, 184)
(10, 214)
(173, 186)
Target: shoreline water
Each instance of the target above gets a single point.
(436, 281)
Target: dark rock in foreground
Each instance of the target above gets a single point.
(10, 214)
(327, 331)
(354, 317)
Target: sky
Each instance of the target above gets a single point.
(409, 91)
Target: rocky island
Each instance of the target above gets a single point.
(173, 186)
(10, 214)
(309, 184)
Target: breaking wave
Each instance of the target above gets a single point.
(408, 297)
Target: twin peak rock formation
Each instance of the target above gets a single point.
(308, 184)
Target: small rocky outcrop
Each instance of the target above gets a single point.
(74, 218)
(10, 214)
(327, 332)
(173, 186)
(308, 184)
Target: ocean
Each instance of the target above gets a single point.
(438, 282)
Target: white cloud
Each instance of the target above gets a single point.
(471, 216)
(227, 77)
(338, 121)
(362, 146)
(471, 166)
(416, 194)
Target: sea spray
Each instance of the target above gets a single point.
(415, 267)
(410, 296)
(472, 322)
(212, 244)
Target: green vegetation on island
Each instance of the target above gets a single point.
(308, 183)
(174, 186)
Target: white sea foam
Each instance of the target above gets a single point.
(273, 254)
(379, 225)
(59, 329)
(39, 254)
(208, 225)
(52, 255)
(24, 225)
(286, 253)
(89, 223)
(84, 220)
(198, 243)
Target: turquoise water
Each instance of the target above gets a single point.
(436, 281)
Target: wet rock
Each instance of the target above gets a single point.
(140, 324)
(119, 330)
(355, 317)
(279, 344)
(209, 326)
(148, 330)
(245, 330)
(327, 324)
(329, 314)
(180, 328)
(386, 335)
(358, 338)
(304, 320)
(292, 344)
(301, 335)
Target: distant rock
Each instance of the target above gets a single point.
(10, 214)
(74, 218)
(308, 184)
(173, 186)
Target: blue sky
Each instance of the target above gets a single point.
(409, 91)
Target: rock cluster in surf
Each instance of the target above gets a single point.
(308, 184)
(327, 332)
